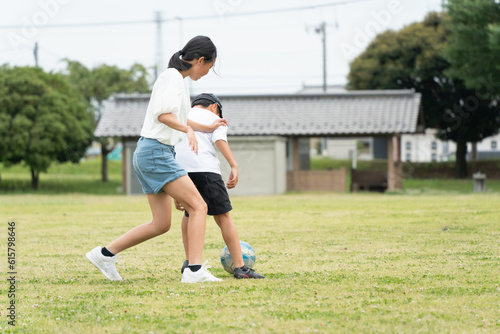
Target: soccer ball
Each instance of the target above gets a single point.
(248, 257)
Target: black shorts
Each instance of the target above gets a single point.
(213, 190)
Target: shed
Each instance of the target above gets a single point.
(266, 129)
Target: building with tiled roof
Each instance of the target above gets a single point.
(277, 122)
(354, 113)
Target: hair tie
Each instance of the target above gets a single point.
(181, 53)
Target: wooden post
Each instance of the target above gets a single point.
(296, 164)
(124, 166)
(399, 166)
(391, 172)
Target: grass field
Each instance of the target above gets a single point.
(426, 262)
(84, 178)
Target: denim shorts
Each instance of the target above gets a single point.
(155, 165)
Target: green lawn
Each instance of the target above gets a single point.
(446, 186)
(334, 263)
(84, 177)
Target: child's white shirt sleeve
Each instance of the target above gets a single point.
(220, 134)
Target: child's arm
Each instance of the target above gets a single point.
(206, 128)
(169, 120)
(223, 147)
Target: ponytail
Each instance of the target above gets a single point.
(177, 63)
(197, 47)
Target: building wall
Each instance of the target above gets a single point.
(344, 148)
(379, 147)
(426, 148)
(261, 165)
(131, 184)
(304, 154)
(341, 148)
(317, 180)
(488, 148)
(416, 148)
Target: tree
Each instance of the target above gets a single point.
(413, 58)
(473, 49)
(98, 84)
(42, 120)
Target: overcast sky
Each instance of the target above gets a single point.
(274, 51)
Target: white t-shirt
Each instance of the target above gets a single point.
(170, 95)
(207, 159)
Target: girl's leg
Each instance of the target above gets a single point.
(230, 236)
(161, 208)
(184, 228)
(184, 192)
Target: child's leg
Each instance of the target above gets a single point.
(184, 228)
(230, 236)
(161, 208)
(184, 191)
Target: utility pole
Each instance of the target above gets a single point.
(35, 53)
(181, 31)
(159, 45)
(321, 29)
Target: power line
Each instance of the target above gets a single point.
(190, 18)
(281, 10)
(10, 49)
(75, 25)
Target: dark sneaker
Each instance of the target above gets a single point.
(184, 266)
(245, 272)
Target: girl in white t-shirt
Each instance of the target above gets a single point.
(154, 164)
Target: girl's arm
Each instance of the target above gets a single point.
(223, 147)
(206, 128)
(172, 122)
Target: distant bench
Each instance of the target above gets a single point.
(368, 180)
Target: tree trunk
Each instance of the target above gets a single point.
(104, 161)
(35, 175)
(461, 161)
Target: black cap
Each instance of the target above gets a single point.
(210, 97)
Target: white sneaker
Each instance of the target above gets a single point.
(202, 275)
(105, 264)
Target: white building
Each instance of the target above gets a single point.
(423, 147)
(365, 148)
(427, 148)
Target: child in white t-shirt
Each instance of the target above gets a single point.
(204, 171)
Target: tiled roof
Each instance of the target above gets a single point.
(351, 113)
(122, 115)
